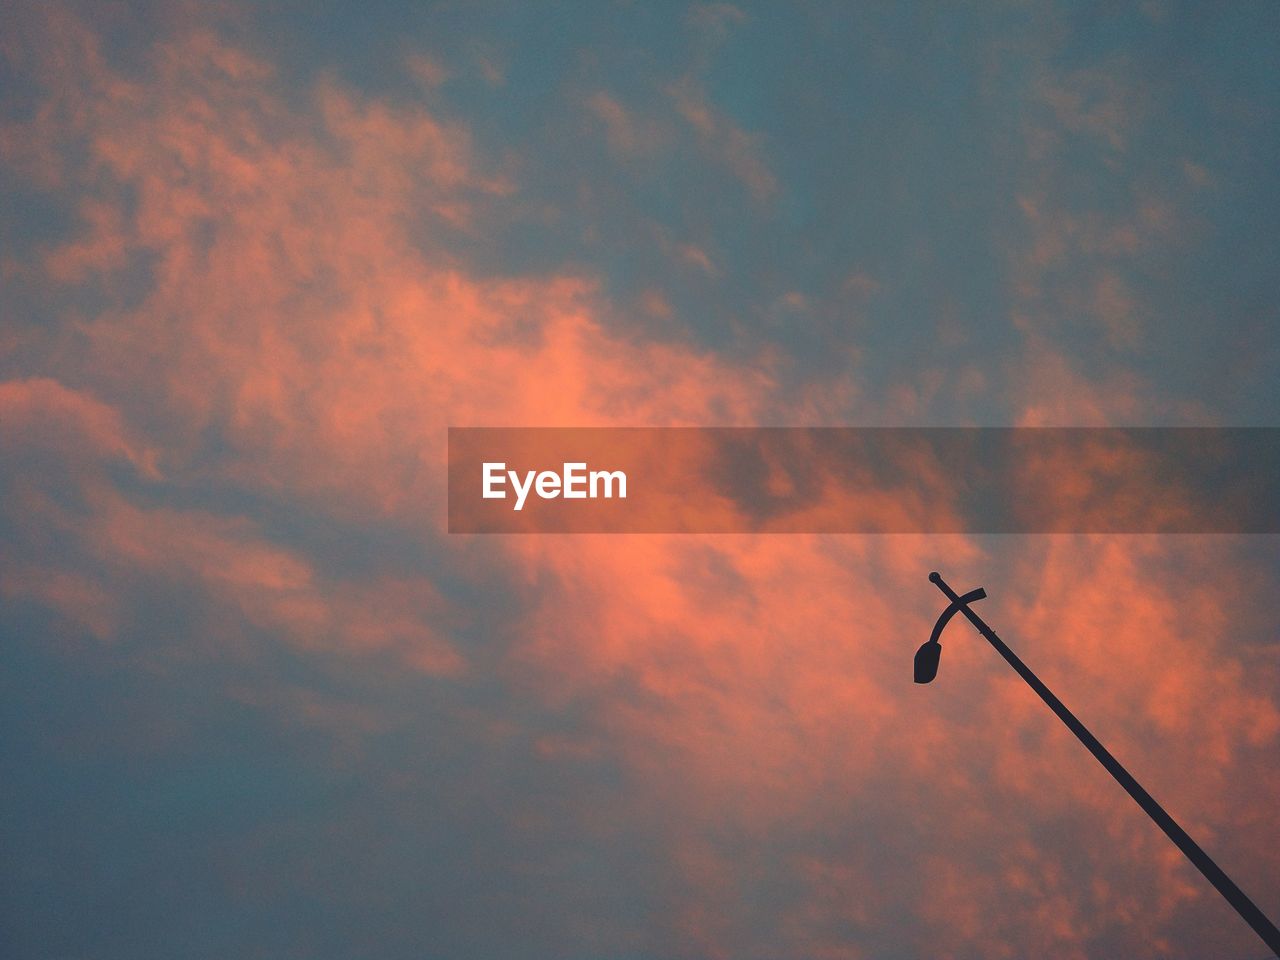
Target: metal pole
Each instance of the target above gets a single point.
(1242, 905)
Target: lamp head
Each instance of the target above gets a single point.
(927, 661)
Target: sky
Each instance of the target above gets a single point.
(256, 259)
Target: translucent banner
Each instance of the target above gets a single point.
(864, 480)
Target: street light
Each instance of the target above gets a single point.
(926, 668)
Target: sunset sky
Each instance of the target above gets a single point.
(255, 259)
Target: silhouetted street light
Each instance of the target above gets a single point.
(926, 668)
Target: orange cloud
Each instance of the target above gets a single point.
(307, 333)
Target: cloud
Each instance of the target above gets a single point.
(279, 320)
(627, 134)
(738, 150)
(41, 413)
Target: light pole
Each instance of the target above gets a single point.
(926, 668)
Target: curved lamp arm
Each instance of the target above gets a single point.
(953, 609)
(927, 657)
